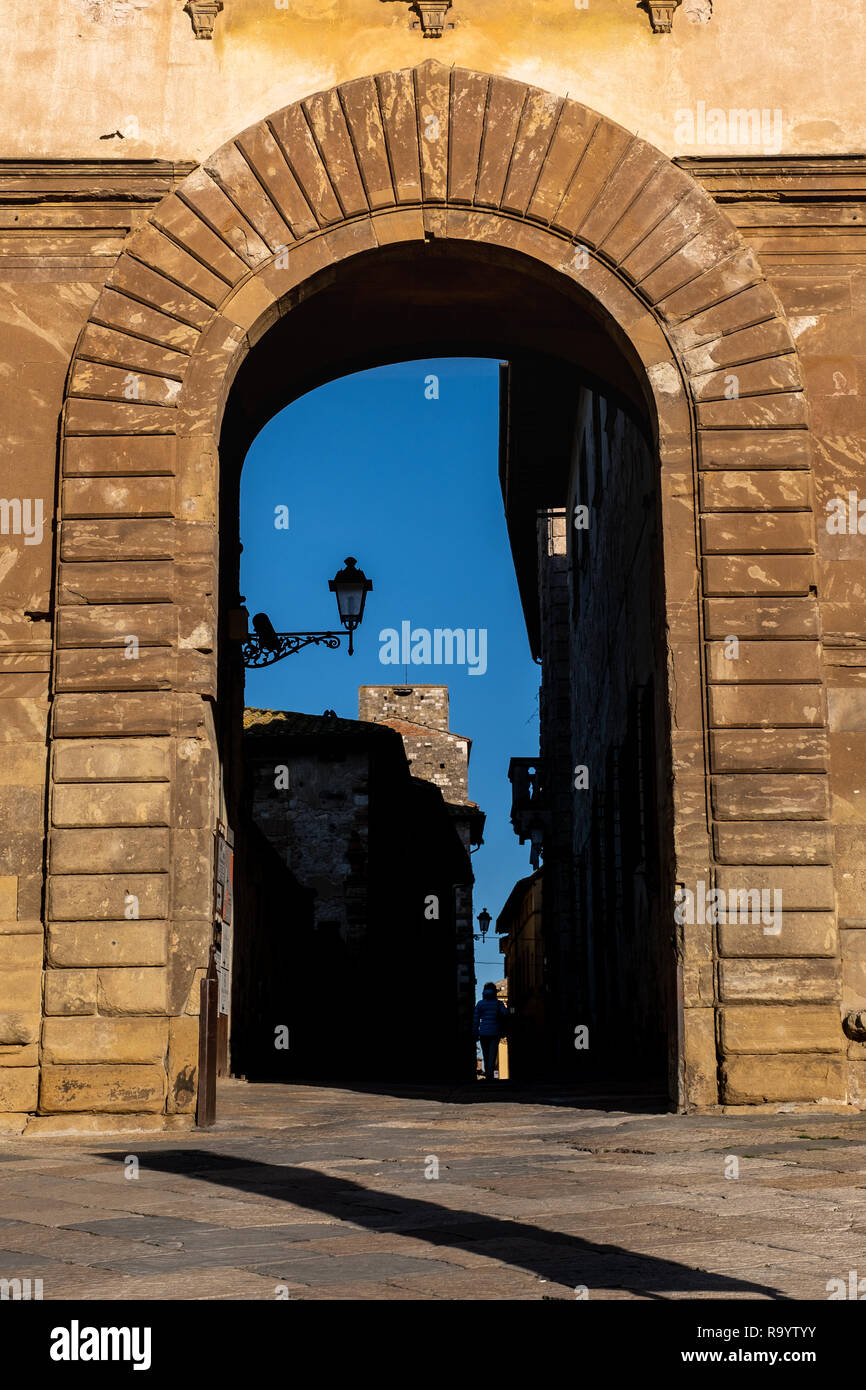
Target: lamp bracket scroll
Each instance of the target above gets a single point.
(259, 651)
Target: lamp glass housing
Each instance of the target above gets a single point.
(351, 587)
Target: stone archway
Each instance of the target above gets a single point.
(402, 157)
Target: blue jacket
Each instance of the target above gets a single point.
(491, 1015)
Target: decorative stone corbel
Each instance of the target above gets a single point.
(431, 14)
(661, 13)
(203, 13)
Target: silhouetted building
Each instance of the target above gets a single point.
(379, 982)
(594, 803)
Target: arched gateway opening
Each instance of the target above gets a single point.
(604, 959)
(430, 210)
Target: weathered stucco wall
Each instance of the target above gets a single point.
(87, 69)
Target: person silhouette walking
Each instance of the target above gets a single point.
(490, 1023)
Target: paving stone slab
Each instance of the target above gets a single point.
(198, 1235)
(350, 1269)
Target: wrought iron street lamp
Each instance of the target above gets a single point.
(268, 646)
(351, 586)
(484, 920)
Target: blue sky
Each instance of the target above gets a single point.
(370, 466)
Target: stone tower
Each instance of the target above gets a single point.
(419, 713)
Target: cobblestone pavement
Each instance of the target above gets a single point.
(322, 1194)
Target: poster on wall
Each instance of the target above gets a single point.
(224, 899)
(223, 912)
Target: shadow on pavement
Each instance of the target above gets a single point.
(555, 1256)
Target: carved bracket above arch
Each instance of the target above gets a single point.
(203, 13)
(431, 17)
(661, 13)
